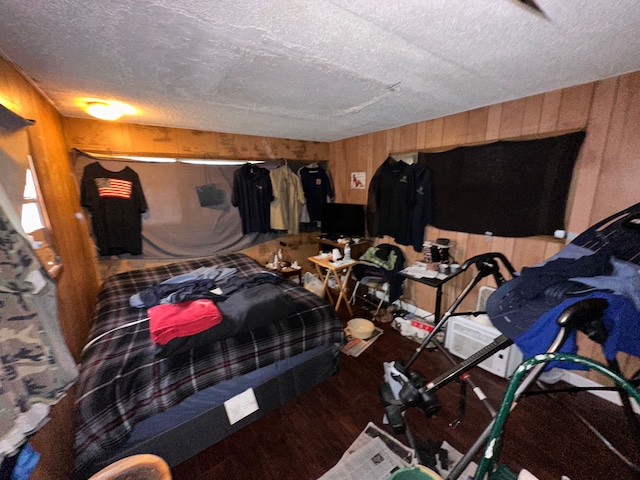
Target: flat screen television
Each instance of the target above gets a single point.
(342, 220)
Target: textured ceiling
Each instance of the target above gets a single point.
(315, 70)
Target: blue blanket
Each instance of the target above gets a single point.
(621, 319)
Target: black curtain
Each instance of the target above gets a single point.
(510, 188)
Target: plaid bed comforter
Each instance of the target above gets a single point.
(122, 381)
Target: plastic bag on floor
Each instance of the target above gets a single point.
(313, 284)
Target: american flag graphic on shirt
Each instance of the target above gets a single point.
(113, 188)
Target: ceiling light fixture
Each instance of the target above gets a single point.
(107, 110)
(102, 110)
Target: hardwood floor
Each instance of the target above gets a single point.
(306, 437)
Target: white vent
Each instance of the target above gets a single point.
(483, 296)
(465, 337)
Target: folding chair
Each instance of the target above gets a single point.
(378, 269)
(378, 284)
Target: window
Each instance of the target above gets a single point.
(31, 218)
(33, 221)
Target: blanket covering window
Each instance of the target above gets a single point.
(510, 188)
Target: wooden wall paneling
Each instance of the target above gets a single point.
(339, 174)
(454, 130)
(108, 137)
(613, 146)
(12, 88)
(230, 147)
(337, 159)
(493, 122)
(424, 296)
(503, 245)
(626, 186)
(618, 187)
(552, 247)
(512, 118)
(198, 144)
(362, 163)
(433, 233)
(532, 113)
(421, 135)
(70, 233)
(574, 108)
(335, 156)
(527, 252)
(593, 350)
(402, 139)
(380, 150)
(369, 157)
(247, 146)
(550, 108)
(98, 136)
(300, 149)
(152, 139)
(474, 245)
(477, 125)
(393, 140)
(344, 170)
(408, 138)
(434, 134)
(460, 244)
(589, 164)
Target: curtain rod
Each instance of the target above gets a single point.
(152, 159)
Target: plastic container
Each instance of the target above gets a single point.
(347, 253)
(418, 472)
(360, 328)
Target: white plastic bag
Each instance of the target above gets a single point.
(313, 284)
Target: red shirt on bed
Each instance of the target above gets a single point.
(172, 320)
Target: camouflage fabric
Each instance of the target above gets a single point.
(37, 367)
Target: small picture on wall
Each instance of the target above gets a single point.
(358, 180)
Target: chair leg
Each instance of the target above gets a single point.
(352, 300)
(379, 306)
(384, 289)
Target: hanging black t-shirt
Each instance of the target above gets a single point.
(116, 202)
(317, 188)
(395, 197)
(252, 194)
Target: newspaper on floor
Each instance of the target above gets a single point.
(355, 346)
(371, 431)
(373, 455)
(373, 461)
(454, 457)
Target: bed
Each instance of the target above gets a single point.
(130, 399)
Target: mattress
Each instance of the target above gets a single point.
(123, 382)
(202, 420)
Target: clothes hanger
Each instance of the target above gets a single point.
(408, 158)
